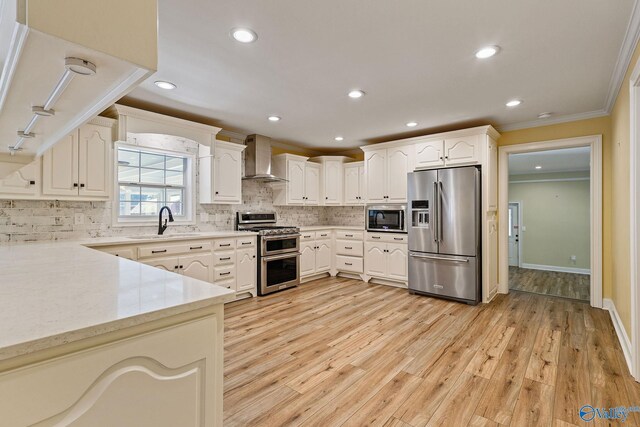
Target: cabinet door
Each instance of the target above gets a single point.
(398, 165)
(246, 269)
(307, 258)
(24, 181)
(461, 151)
(169, 264)
(352, 185)
(227, 176)
(397, 261)
(429, 154)
(295, 186)
(60, 168)
(312, 184)
(363, 185)
(197, 266)
(375, 164)
(375, 259)
(94, 148)
(323, 255)
(333, 183)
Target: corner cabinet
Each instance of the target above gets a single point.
(331, 179)
(220, 173)
(79, 166)
(302, 185)
(386, 171)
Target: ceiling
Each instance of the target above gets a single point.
(552, 161)
(415, 62)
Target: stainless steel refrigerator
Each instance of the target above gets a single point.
(444, 233)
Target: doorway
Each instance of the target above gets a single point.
(551, 268)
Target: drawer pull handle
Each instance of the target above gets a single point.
(398, 238)
(323, 235)
(375, 237)
(159, 252)
(347, 263)
(225, 274)
(348, 247)
(195, 247)
(349, 235)
(225, 245)
(246, 243)
(225, 258)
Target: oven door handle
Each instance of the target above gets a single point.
(277, 257)
(281, 237)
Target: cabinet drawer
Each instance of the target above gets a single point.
(387, 237)
(322, 235)
(174, 249)
(246, 242)
(348, 263)
(128, 253)
(229, 284)
(224, 273)
(307, 235)
(349, 235)
(224, 257)
(224, 244)
(346, 247)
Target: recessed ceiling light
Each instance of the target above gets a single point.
(514, 103)
(544, 115)
(165, 85)
(355, 94)
(487, 52)
(538, 167)
(412, 124)
(244, 35)
(274, 118)
(338, 138)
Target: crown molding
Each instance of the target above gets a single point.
(233, 135)
(553, 121)
(629, 44)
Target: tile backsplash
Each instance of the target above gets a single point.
(36, 220)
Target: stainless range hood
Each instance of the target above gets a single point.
(258, 159)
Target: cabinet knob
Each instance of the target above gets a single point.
(81, 185)
(217, 192)
(326, 198)
(75, 185)
(446, 157)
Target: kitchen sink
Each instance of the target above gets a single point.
(164, 236)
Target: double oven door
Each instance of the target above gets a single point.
(279, 263)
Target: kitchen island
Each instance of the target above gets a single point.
(87, 338)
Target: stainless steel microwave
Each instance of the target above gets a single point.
(386, 218)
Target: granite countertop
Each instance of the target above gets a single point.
(59, 292)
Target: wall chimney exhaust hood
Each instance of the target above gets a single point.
(257, 161)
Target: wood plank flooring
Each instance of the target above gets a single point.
(340, 352)
(565, 285)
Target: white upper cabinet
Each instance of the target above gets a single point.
(23, 183)
(354, 184)
(462, 151)
(331, 179)
(220, 174)
(79, 166)
(303, 181)
(386, 173)
(430, 153)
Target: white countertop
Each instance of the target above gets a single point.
(331, 227)
(151, 238)
(59, 292)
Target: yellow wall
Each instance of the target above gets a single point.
(620, 189)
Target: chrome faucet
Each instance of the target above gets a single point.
(161, 226)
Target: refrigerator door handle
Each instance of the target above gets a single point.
(438, 258)
(435, 211)
(440, 222)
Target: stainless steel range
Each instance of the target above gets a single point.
(278, 251)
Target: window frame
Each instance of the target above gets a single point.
(189, 202)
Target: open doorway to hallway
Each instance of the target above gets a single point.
(549, 222)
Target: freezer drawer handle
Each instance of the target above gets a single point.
(414, 255)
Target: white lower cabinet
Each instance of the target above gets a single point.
(386, 260)
(196, 266)
(316, 253)
(246, 270)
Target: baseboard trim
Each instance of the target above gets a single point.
(625, 342)
(556, 269)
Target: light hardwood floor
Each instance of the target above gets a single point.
(342, 352)
(566, 285)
